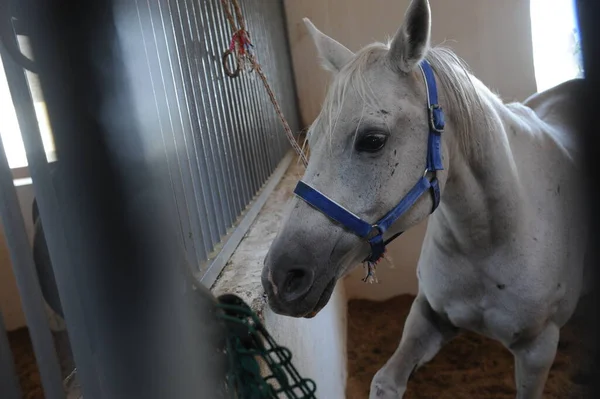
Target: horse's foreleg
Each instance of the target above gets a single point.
(424, 334)
(533, 360)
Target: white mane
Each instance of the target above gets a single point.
(463, 102)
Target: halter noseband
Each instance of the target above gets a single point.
(373, 233)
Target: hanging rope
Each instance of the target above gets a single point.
(239, 48)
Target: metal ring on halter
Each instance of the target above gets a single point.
(426, 171)
(375, 231)
(228, 71)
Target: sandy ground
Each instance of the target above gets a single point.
(468, 367)
(26, 367)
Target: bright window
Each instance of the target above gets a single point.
(9, 126)
(556, 49)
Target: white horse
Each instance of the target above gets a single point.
(504, 252)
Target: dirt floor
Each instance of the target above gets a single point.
(26, 367)
(468, 367)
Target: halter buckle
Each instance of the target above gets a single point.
(436, 118)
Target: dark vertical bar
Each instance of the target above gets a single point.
(147, 339)
(30, 292)
(14, 226)
(9, 381)
(52, 219)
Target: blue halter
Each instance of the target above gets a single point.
(373, 233)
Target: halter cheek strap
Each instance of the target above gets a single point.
(373, 233)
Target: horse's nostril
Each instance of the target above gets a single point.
(297, 283)
(293, 280)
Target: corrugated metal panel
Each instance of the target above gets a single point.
(222, 137)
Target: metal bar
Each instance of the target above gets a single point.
(51, 219)
(29, 288)
(9, 381)
(116, 220)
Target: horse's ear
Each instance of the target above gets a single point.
(333, 54)
(410, 45)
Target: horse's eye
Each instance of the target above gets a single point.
(372, 142)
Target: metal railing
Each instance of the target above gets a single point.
(159, 97)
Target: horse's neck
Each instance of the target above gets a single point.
(480, 206)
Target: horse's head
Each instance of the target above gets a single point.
(369, 147)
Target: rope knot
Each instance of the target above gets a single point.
(240, 42)
(239, 48)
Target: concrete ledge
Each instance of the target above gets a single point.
(241, 274)
(318, 345)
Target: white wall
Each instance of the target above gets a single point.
(318, 345)
(492, 36)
